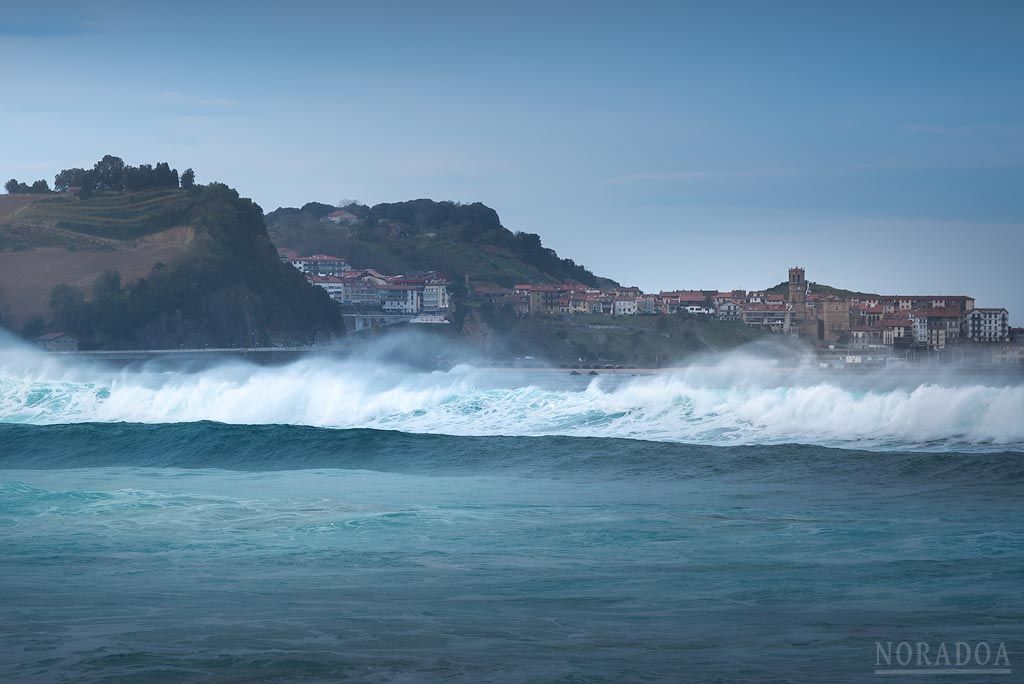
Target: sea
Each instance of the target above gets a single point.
(362, 520)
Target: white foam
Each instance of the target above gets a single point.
(734, 400)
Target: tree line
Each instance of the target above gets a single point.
(39, 187)
(111, 174)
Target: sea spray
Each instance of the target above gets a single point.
(727, 400)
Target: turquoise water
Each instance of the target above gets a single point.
(354, 520)
(208, 552)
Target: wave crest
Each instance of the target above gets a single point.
(735, 400)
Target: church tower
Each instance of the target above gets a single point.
(797, 288)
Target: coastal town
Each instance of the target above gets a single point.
(851, 328)
(371, 299)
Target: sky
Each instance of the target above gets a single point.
(667, 145)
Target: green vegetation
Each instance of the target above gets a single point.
(627, 340)
(112, 174)
(458, 239)
(231, 289)
(13, 186)
(817, 288)
(117, 216)
(223, 284)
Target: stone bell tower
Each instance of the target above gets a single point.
(797, 288)
(796, 303)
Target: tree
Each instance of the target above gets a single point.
(188, 179)
(107, 285)
(32, 329)
(14, 186)
(68, 178)
(88, 185)
(139, 177)
(109, 173)
(69, 308)
(162, 175)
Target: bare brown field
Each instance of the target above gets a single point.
(27, 276)
(11, 204)
(46, 240)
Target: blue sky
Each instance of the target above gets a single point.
(712, 145)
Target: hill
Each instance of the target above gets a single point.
(469, 240)
(152, 269)
(459, 239)
(817, 288)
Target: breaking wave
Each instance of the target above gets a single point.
(733, 400)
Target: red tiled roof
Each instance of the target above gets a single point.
(319, 257)
(936, 313)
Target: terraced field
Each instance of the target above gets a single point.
(46, 240)
(114, 216)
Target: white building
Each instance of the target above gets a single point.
(765, 316)
(401, 299)
(340, 216)
(321, 264)
(334, 285)
(987, 325)
(729, 310)
(359, 293)
(625, 307)
(435, 298)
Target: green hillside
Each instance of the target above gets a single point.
(153, 269)
(114, 215)
(460, 240)
(818, 288)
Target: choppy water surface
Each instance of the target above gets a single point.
(505, 531)
(730, 400)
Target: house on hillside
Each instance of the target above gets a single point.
(435, 298)
(648, 305)
(729, 310)
(625, 307)
(287, 255)
(340, 217)
(335, 285)
(679, 300)
(404, 299)
(321, 264)
(57, 342)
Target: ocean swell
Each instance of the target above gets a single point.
(733, 401)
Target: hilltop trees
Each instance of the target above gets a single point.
(112, 174)
(13, 186)
(69, 178)
(109, 173)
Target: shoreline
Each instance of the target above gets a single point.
(280, 355)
